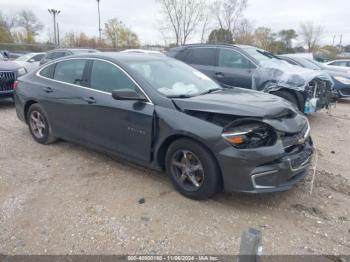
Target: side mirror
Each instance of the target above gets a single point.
(31, 60)
(127, 94)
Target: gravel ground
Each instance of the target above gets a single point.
(66, 199)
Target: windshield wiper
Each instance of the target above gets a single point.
(210, 91)
(180, 96)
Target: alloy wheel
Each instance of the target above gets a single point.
(188, 170)
(37, 124)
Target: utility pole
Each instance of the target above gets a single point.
(99, 20)
(54, 13)
(58, 36)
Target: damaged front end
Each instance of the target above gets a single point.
(315, 86)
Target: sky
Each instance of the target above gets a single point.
(143, 17)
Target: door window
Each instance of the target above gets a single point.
(106, 77)
(37, 58)
(202, 56)
(70, 71)
(55, 55)
(232, 59)
(340, 63)
(48, 71)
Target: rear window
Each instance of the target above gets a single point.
(70, 71)
(48, 71)
(202, 56)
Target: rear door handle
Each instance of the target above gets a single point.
(48, 89)
(90, 100)
(219, 74)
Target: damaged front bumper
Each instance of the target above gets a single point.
(269, 169)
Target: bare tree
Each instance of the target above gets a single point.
(206, 23)
(310, 35)
(181, 18)
(6, 26)
(30, 23)
(244, 33)
(228, 13)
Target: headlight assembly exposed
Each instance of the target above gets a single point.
(252, 134)
(22, 71)
(343, 80)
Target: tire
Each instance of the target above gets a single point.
(288, 96)
(192, 169)
(37, 117)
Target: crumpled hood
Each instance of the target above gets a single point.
(240, 102)
(9, 66)
(275, 74)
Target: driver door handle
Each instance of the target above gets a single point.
(90, 100)
(48, 89)
(219, 74)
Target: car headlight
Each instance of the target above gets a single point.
(343, 80)
(22, 71)
(250, 135)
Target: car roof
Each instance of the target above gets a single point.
(74, 50)
(119, 56)
(215, 45)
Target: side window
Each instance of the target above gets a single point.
(107, 77)
(182, 55)
(37, 58)
(56, 55)
(232, 59)
(339, 63)
(48, 71)
(202, 56)
(70, 71)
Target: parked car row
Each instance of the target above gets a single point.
(222, 122)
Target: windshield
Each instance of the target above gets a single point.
(307, 64)
(174, 78)
(321, 66)
(24, 57)
(260, 56)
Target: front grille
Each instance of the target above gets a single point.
(345, 91)
(301, 160)
(6, 80)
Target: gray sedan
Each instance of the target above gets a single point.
(161, 113)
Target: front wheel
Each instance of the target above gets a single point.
(192, 169)
(39, 125)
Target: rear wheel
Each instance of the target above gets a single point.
(39, 125)
(288, 96)
(192, 169)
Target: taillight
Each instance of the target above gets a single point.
(15, 84)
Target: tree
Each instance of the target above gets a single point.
(6, 25)
(264, 38)
(244, 34)
(310, 35)
(119, 35)
(228, 13)
(287, 36)
(220, 36)
(181, 18)
(31, 25)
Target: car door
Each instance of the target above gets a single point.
(118, 126)
(203, 59)
(62, 97)
(234, 69)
